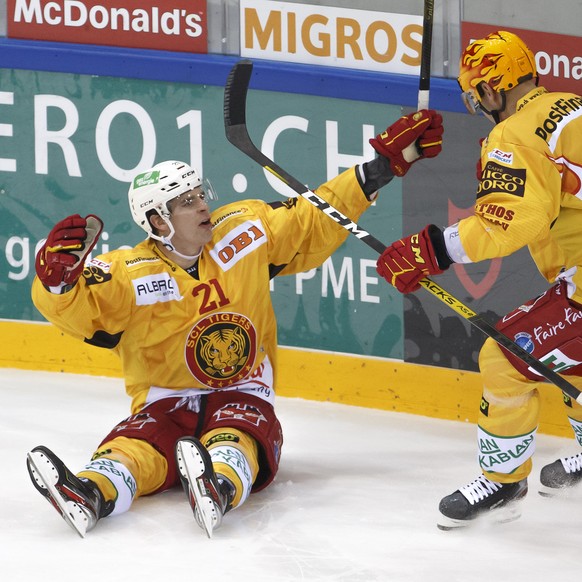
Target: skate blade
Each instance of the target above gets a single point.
(191, 466)
(46, 476)
(550, 491)
(505, 514)
(561, 492)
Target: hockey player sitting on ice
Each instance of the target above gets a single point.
(529, 193)
(189, 313)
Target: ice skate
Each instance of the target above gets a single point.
(484, 500)
(210, 497)
(561, 475)
(79, 501)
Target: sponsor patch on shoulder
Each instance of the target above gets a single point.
(105, 267)
(139, 260)
(96, 272)
(238, 243)
(228, 215)
(501, 156)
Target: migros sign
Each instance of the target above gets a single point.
(323, 35)
(178, 25)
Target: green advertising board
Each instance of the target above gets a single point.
(71, 143)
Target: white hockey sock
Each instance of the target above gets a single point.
(232, 457)
(577, 428)
(120, 477)
(502, 454)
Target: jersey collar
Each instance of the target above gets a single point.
(533, 94)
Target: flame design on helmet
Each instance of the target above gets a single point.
(501, 59)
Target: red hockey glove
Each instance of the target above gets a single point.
(413, 136)
(62, 257)
(405, 262)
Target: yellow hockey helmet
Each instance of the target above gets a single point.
(501, 59)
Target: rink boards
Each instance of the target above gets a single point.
(314, 375)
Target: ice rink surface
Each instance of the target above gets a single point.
(355, 500)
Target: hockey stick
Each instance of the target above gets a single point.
(424, 83)
(235, 95)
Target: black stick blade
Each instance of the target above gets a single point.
(235, 94)
(235, 104)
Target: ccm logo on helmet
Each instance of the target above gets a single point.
(498, 178)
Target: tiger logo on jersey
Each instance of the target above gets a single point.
(221, 349)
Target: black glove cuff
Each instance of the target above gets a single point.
(377, 174)
(437, 238)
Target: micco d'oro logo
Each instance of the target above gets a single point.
(221, 349)
(496, 178)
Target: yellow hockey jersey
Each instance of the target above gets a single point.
(530, 192)
(176, 334)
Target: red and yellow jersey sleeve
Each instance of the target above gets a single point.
(87, 309)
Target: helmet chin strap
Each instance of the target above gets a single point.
(166, 242)
(494, 113)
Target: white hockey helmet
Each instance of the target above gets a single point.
(154, 188)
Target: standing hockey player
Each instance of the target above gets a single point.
(189, 313)
(529, 193)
